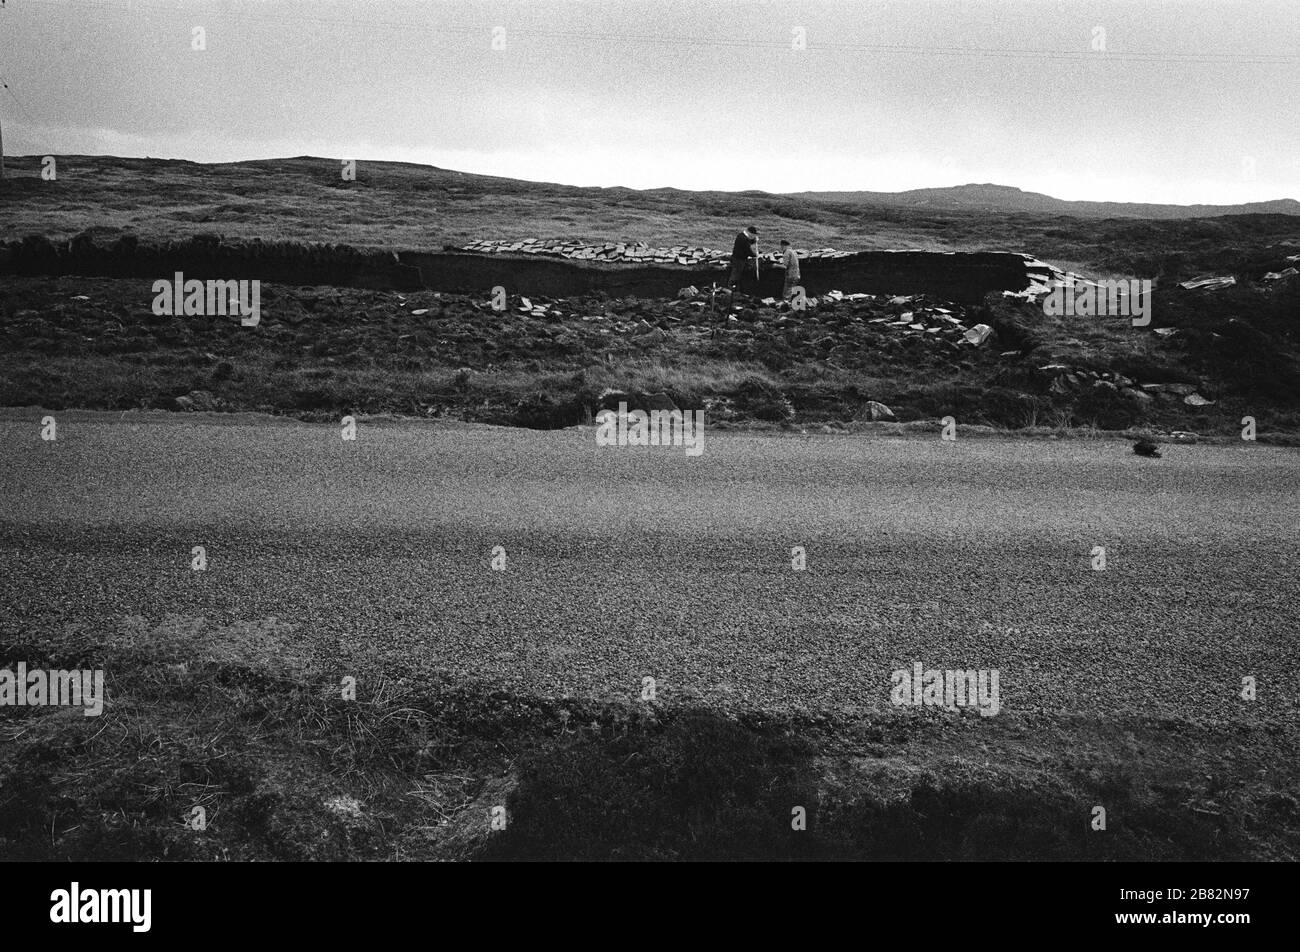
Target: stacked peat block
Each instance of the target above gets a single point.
(627, 252)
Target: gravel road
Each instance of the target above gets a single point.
(372, 558)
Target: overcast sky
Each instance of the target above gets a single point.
(1192, 101)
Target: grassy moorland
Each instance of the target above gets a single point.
(399, 205)
(478, 689)
(93, 343)
(324, 352)
(79, 342)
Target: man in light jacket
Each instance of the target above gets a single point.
(789, 261)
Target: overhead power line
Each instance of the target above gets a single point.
(16, 100)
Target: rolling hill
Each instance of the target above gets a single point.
(396, 205)
(1007, 199)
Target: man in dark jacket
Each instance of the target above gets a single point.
(745, 248)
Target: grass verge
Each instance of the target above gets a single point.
(282, 767)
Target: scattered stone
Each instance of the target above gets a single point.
(344, 806)
(196, 400)
(609, 399)
(1196, 400)
(1208, 284)
(635, 400)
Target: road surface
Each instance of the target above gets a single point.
(372, 558)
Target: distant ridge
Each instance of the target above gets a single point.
(243, 198)
(1006, 198)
